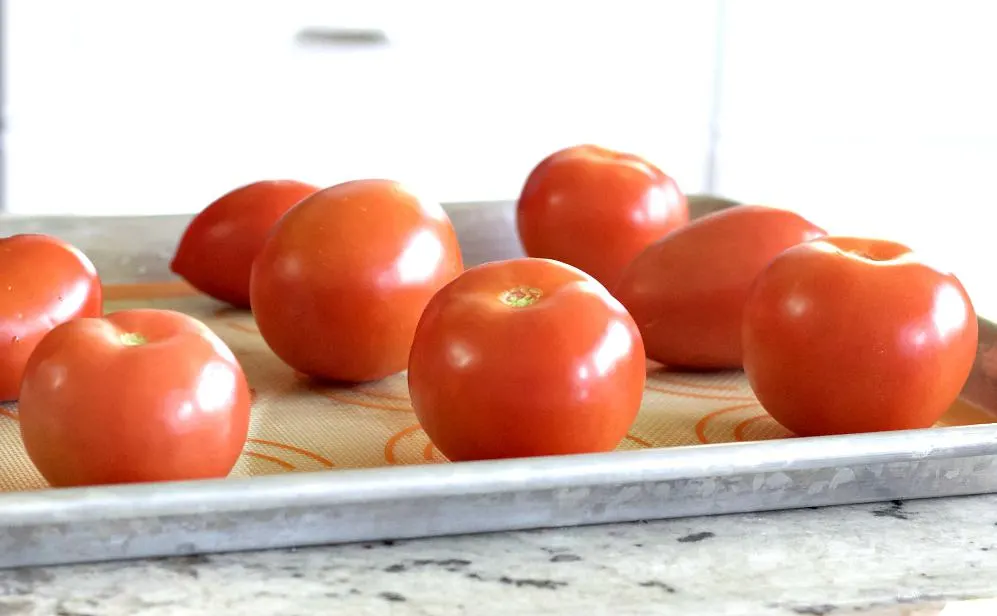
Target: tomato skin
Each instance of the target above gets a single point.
(597, 209)
(564, 375)
(215, 254)
(338, 288)
(43, 282)
(687, 291)
(836, 342)
(95, 410)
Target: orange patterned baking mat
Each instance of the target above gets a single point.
(298, 425)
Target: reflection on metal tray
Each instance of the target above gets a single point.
(255, 509)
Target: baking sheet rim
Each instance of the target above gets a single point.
(432, 481)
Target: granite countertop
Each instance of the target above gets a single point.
(899, 558)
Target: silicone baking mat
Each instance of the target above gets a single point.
(300, 425)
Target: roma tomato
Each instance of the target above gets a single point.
(687, 291)
(43, 282)
(527, 357)
(140, 395)
(596, 209)
(845, 335)
(215, 254)
(339, 286)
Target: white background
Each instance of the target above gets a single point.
(122, 107)
(873, 117)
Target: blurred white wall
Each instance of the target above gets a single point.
(875, 118)
(872, 117)
(115, 106)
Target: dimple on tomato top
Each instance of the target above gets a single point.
(140, 395)
(522, 358)
(845, 335)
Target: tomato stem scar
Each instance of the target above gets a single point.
(132, 339)
(520, 297)
(868, 256)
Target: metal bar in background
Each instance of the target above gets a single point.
(4, 58)
(713, 136)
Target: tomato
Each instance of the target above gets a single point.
(846, 335)
(140, 395)
(338, 288)
(526, 357)
(43, 282)
(215, 254)
(596, 209)
(687, 291)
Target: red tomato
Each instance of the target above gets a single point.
(338, 288)
(847, 335)
(140, 395)
(687, 291)
(215, 254)
(527, 357)
(43, 282)
(597, 209)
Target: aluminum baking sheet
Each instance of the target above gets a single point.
(48, 526)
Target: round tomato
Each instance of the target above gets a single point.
(339, 286)
(527, 357)
(687, 291)
(43, 282)
(215, 254)
(596, 209)
(140, 395)
(846, 335)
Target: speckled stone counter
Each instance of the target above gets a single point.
(911, 558)
(885, 559)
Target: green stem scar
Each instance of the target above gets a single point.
(132, 339)
(520, 297)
